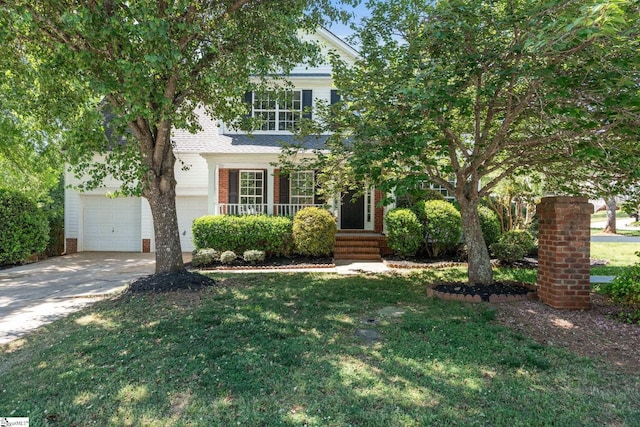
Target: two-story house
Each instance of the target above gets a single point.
(230, 172)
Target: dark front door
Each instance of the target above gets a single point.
(352, 212)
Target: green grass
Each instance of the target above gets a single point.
(280, 350)
(618, 254)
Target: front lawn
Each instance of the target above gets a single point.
(283, 350)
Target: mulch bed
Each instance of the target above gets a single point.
(506, 291)
(274, 263)
(169, 282)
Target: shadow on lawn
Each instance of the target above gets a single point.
(280, 350)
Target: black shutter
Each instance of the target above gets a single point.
(248, 98)
(307, 103)
(284, 189)
(264, 188)
(233, 186)
(335, 97)
(317, 199)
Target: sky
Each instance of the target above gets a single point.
(342, 30)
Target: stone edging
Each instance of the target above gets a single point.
(532, 295)
(391, 264)
(266, 267)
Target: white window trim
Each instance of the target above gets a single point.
(257, 199)
(295, 114)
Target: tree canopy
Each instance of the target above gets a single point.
(148, 65)
(466, 93)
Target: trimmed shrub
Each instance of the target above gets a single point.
(442, 225)
(271, 234)
(404, 232)
(490, 225)
(314, 231)
(204, 257)
(228, 257)
(24, 230)
(625, 288)
(253, 256)
(512, 246)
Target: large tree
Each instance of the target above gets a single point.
(464, 93)
(147, 65)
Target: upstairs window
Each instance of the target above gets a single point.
(280, 111)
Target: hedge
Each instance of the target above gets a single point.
(271, 234)
(24, 230)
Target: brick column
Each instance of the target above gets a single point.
(146, 245)
(71, 246)
(563, 254)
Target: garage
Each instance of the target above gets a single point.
(188, 209)
(111, 224)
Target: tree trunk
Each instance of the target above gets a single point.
(610, 227)
(167, 235)
(160, 191)
(480, 271)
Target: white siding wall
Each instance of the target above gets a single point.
(194, 181)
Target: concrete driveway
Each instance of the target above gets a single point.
(35, 294)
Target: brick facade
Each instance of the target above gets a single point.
(276, 185)
(378, 223)
(223, 186)
(71, 245)
(146, 245)
(564, 250)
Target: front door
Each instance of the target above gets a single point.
(352, 212)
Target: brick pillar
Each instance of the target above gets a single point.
(146, 245)
(71, 246)
(223, 186)
(378, 225)
(563, 254)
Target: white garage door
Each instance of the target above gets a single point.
(111, 224)
(189, 208)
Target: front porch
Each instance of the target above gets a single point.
(278, 209)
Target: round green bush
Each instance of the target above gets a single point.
(253, 256)
(204, 257)
(227, 257)
(24, 230)
(442, 225)
(512, 246)
(404, 232)
(314, 231)
(490, 225)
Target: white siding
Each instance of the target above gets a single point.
(195, 180)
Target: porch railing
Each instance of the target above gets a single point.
(279, 209)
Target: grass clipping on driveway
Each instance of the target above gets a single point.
(283, 349)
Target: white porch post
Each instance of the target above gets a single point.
(270, 189)
(212, 199)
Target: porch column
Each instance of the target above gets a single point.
(212, 199)
(270, 189)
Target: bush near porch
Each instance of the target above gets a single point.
(271, 234)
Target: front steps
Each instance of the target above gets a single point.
(358, 245)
